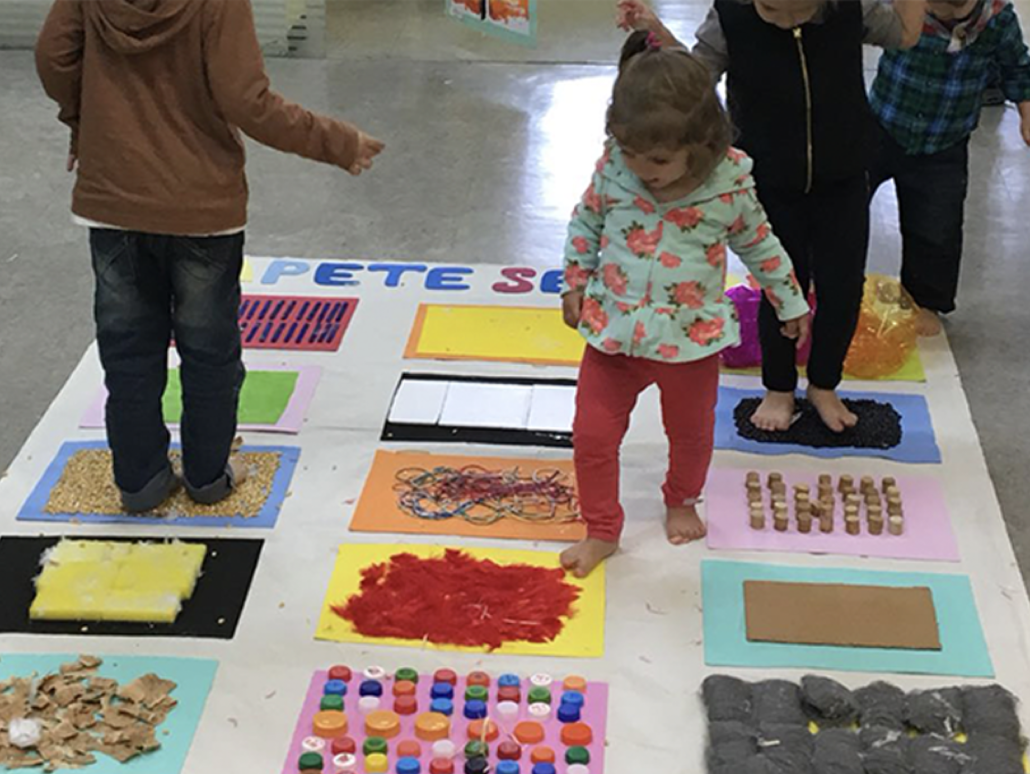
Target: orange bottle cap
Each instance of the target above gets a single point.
(329, 724)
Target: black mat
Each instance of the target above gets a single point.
(879, 426)
(213, 611)
(482, 435)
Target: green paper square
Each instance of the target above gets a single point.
(263, 398)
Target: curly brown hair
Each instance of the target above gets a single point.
(665, 98)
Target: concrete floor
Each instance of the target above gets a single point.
(489, 146)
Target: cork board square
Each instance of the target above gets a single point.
(841, 614)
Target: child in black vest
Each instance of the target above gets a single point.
(795, 91)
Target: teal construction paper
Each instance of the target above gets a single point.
(193, 678)
(964, 651)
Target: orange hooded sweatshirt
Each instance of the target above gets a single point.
(155, 93)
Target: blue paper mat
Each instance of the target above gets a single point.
(918, 443)
(193, 678)
(34, 508)
(964, 651)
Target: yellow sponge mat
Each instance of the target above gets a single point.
(96, 580)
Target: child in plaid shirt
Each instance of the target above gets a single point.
(927, 100)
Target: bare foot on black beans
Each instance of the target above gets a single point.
(776, 412)
(583, 557)
(831, 408)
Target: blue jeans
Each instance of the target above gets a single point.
(931, 192)
(150, 288)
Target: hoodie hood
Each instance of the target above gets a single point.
(732, 175)
(138, 26)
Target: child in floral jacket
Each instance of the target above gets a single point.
(645, 271)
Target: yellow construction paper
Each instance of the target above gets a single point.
(94, 580)
(513, 334)
(582, 637)
(247, 272)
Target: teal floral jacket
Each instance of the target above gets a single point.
(654, 274)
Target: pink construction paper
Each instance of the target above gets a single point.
(291, 421)
(595, 714)
(928, 533)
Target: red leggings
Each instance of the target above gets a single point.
(608, 390)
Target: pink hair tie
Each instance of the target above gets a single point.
(653, 41)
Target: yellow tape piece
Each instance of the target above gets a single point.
(247, 273)
(582, 637)
(94, 580)
(512, 334)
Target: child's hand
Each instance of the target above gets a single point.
(635, 15)
(1024, 126)
(572, 308)
(368, 149)
(797, 329)
(72, 161)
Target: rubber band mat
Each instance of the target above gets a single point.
(581, 637)
(379, 509)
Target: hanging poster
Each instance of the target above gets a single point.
(514, 20)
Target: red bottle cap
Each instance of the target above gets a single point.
(406, 705)
(340, 673)
(448, 676)
(441, 766)
(344, 746)
(509, 693)
(509, 751)
(478, 678)
(409, 748)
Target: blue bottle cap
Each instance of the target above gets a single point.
(442, 706)
(475, 709)
(442, 691)
(371, 688)
(409, 766)
(509, 681)
(569, 713)
(335, 688)
(507, 767)
(545, 768)
(574, 698)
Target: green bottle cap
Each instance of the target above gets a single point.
(477, 749)
(332, 703)
(579, 755)
(310, 761)
(407, 675)
(477, 693)
(539, 695)
(375, 744)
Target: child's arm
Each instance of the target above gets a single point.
(59, 63)
(711, 42)
(895, 25)
(236, 74)
(751, 238)
(583, 246)
(1014, 63)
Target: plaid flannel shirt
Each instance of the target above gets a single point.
(928, 99)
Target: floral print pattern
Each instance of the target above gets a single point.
(652, 273)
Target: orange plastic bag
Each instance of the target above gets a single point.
(886, 334)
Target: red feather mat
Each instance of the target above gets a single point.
(457, 600)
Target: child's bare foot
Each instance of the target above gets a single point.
(683, 525)
(239, 471)
(776, 413)
(928, 323)
(831, 408)
(583, 557)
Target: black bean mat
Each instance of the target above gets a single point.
(879, 426)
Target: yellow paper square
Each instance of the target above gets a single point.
(582, 637)
(513, 334)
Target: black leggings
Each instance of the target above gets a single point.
(826, 234)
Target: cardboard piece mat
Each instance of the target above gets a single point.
(268, 497)
(273, 399)
(213, 611)
(512, 334)
(193, 679)
(963, 650)
(918, 443)
(379, 510)
(593, 714)
(928, 532)
(581, 637)
(840, 614)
